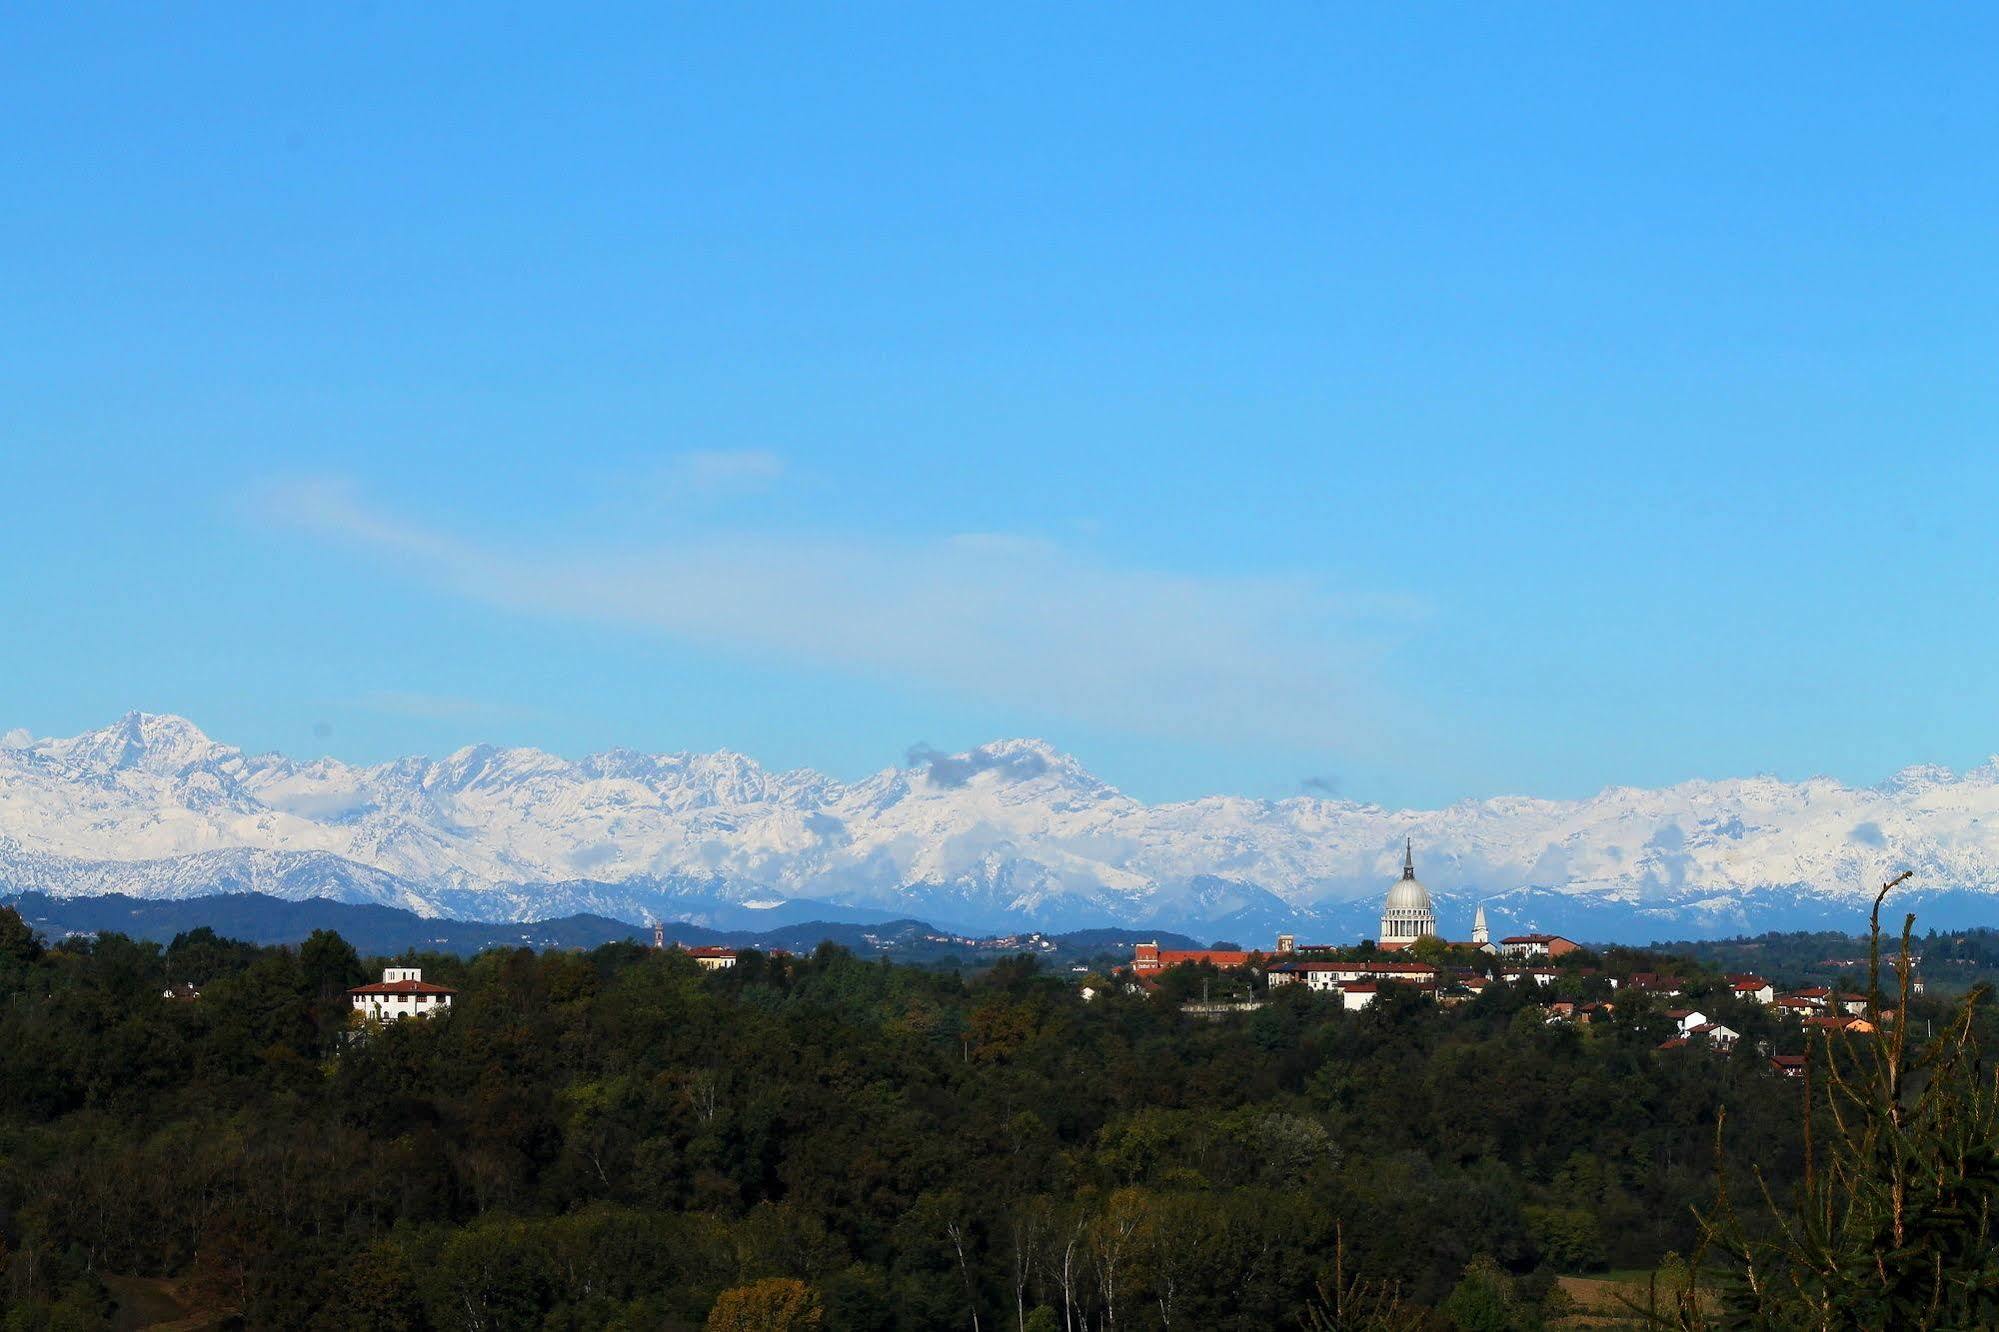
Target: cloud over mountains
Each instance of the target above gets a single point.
(1020, 621)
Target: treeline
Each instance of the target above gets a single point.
(1950, 962)
(619, 1139)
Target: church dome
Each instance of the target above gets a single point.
(1409, 895)
(1407, 914)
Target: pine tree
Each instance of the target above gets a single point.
(1891, 1225)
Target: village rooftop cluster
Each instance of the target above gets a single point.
(1410, 958)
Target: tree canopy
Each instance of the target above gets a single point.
(618, 1138)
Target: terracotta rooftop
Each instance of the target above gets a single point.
(402, 987)
(1367, 968)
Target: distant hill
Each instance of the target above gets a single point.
(1950, 961)
(262, 919)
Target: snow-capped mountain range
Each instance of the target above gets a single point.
(1011, 834)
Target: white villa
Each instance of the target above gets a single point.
(402, 992)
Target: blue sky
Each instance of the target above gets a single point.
(1416, 402)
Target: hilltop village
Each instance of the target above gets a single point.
(1570, 983)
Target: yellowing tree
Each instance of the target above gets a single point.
(775, 1304)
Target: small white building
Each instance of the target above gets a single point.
(1356, 995)
(402, 992)
(1536, 947)
(1328, 976)
(1715, 1034)
(1753, 988)
(1686, 1019)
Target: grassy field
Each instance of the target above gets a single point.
(1600, 1297)
(147, 1304)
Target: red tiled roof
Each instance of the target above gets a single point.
(1366, 968)
(1151, 957)
(709, 950)
(402, 987)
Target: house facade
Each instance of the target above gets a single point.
(1330, 976)
(1536, 947)
(1150, 957)
(401, 993)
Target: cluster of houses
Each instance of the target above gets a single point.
(1359, 981)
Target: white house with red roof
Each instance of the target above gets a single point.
(1721, 1037)
(1356, 995)
(1150, 957)
(1686, 1018)
(1753, 988)
(1536, 947)
(402, 992)
(1332, 975)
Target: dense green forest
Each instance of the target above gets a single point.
(616, 1138)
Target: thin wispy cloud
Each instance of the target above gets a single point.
(714, 472)
(428, 707)
(1016, 620)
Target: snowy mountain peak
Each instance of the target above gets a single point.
(150, 742)
(1010, 833)
(489, 765)
(1920, 777)
(1005, 763)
